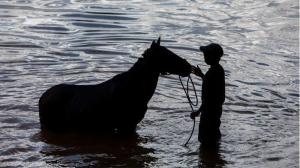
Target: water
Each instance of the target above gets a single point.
(46, 42)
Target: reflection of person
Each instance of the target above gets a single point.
(210, 156)
(213, 95)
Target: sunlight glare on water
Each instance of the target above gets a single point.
(47, 42)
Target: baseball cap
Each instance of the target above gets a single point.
(212, 48)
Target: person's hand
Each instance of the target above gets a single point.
(194, 114)
(197, 71)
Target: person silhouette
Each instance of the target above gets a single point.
(213, 95)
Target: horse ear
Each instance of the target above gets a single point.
(153, 44)
(158, 41)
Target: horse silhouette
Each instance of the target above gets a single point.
(116, 105)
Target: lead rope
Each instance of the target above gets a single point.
(186, 91)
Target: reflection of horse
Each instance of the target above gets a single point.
(110, 150)
(117, 104)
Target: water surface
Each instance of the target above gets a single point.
(47, 42)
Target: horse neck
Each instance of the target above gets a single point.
(144, 67)
(145, 78)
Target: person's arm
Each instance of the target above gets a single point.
(197, 71)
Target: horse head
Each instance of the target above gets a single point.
(165, 61)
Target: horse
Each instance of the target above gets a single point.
(116, 105)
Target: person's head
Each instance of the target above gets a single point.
(212, 53)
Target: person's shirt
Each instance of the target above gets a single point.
(213, 89)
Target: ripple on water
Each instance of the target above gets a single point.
(15, 45)
(44, 43)
(49, 28)
(98, 16)
(92, 25)
(55, 4)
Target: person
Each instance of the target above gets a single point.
(213, 95)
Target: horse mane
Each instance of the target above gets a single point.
(143, 66)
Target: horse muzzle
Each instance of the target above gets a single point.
(186, 69)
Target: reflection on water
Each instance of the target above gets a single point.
(83, 150)
(209, 156)
(43, 43)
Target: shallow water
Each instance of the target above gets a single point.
(43, 43)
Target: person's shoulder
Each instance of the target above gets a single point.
(217, 70)
(220, 67)
(217, 67)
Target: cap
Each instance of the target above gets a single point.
(212, 48)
